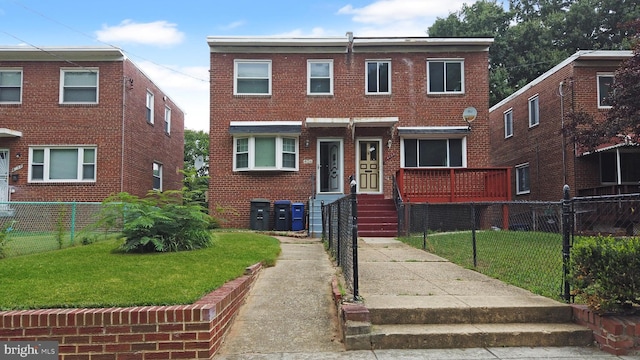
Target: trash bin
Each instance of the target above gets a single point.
(259, 213)
(282, 213)
(297, 216)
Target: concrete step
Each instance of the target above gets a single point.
(446, 336)
(561, 313)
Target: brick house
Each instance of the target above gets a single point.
(526, 132)
(294, 118)
(80, 124)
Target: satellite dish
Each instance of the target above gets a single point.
(198, 163)
(469, 114)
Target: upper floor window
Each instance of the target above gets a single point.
(79, 86)
(62, 164)
(522, 179)
(378, 77)
(252, 77)
(319, 77)
(268, 152)
(508, 123)
(157, 176)
(167, 120)
(605, 83)
(433, 153)
(534, 111)
(10, 86)
(150, 105)
(445, 76)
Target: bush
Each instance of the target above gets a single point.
(605, 272)
(160, 222)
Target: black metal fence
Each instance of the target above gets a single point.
(340, 232)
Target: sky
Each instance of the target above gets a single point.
(168, 39)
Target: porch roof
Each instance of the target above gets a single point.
(265, 127)
(434, 131)
(4, 133)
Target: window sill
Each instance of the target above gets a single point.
(62, 183)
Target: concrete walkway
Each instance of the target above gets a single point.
(289, 313)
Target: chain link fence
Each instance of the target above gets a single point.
(516, 242)
(339, 219)
(32, 227)
(615, 215)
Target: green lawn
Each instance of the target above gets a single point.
(98, 275)
(527, 259)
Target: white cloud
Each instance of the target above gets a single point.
(188, 87)
(159, 33)
(401, 13)
(315, 32)
(233, 25)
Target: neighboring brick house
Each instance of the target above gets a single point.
(294, 118)
(526, 132)
(80, 124)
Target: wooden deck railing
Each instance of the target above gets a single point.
(448, 185)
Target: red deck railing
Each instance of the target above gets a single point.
(448, 185)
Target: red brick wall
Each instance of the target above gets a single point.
(541, 146)
(43, 121)
(618, 335)
(148, 332)
(409, 102)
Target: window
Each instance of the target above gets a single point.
(434, 153)
(10, 86)
(445, 76)
(79, 86)
(534, 112)
(378, 77)
(265, 153)
(522, 179)
(157, 176)
(150, 105)
(62, 164)
(252, 77)
(605, 82)
(620, 166)
(508, 123)
(167, 120)
(320, 77)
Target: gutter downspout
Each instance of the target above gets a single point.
(124, 105)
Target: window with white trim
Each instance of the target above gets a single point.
(265, 153)
(319, 77)
(149, 107)
(522, 179)
(433, 153)
(605, 84)
(10, 86)
(252, 77)
(378, 77)
(445, 76)
(167, 120)
(157, 176)
(79, 86)
(508, 123)
(62, 164)
(534, 111)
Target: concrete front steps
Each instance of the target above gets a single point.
(377, 216)
(444, 328)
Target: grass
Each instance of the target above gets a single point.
(530, 260)
(99, 275)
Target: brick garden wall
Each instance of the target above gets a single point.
(191, 331)
(618, 335)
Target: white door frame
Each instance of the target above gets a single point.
(380, 163)
(4, 176)
(340, 161)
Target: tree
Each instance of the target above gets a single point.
(623, 119)
(196, 166)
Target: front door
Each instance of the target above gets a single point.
(4, 177)
(369, 165)
(330, 166)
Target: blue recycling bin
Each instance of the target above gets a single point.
(297, 216)
(282, 213)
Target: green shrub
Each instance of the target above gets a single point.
(605, 272)
(160, 222)
(4, 238)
